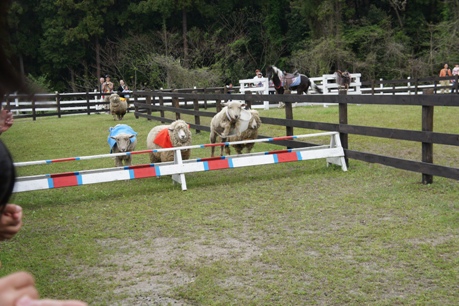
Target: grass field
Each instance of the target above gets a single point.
(287, 234)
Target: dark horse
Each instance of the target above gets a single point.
(293, 81)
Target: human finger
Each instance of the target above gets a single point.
(18, 280)
(26, 301)
(12, 209)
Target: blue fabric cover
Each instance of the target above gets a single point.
(118, 129)
(296, 81)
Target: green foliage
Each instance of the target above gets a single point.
(386, 39)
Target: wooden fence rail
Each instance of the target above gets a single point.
(426, 137)
(155, 105)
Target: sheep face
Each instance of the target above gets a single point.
(115, 99)
(123, 141)
(181, 130)
(233, 110)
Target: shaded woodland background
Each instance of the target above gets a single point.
(66, 45)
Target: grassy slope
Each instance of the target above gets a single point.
(291, 234)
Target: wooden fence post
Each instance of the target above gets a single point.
(58, 102)
(148, 102)
(136, 108)
(34, 111)
(218, 105)
(205, 100)
(197, 118)
(248, 99)
(88, 106)
(427, 148)
(161, 103)
(176, 104)
(288, 115)
(344, 137)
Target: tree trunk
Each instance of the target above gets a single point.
(98, 59)
(185, 41)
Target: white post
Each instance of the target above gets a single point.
(265, 92)
(16, 101)
(409, 86)
(358, 90)
(325, 87)
(381, 86)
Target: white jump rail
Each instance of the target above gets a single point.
(333, 153)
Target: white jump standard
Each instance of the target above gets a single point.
(333, 153)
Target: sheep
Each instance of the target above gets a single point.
(122, 138)
(225, 122)
(177, 134)
(249, 134)
(118, 107)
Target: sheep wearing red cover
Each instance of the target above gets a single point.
(225, 122)
(177, 134)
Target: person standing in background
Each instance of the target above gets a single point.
(455, 73)
(107, 87)
(123, 89)
(443, 73)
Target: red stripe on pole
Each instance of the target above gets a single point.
(70, 179)
(63, 159)
(283, 138)
(218, 164)
(219, 144)
(287, 157)
(144, 172)
(140, 152)
(211, 158)
(277, 152)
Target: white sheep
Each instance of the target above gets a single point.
(122, 138)
(177, 134)
(225, 122)
(250, 133)
(118, 107)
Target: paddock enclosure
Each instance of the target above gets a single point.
(193, 105)
(154, 108)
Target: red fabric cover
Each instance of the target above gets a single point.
(162, 139)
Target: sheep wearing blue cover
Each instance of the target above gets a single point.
(122, 138)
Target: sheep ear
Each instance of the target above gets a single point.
(170, 129)
(224, 103)
(243, 105)
(131, 136)
(112, 137)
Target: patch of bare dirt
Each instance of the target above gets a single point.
(146, 271)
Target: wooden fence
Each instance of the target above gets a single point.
(153, 105)
(154, 108)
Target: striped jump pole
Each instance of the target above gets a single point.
(333, 153)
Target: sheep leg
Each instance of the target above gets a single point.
(221, 147)
(128, 160)
(213, 139)
(227, 150)
(118, 162)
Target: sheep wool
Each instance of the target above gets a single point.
(251, 133)
(122, 138)
(118, 107)
(225, 122)
(177, 134)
